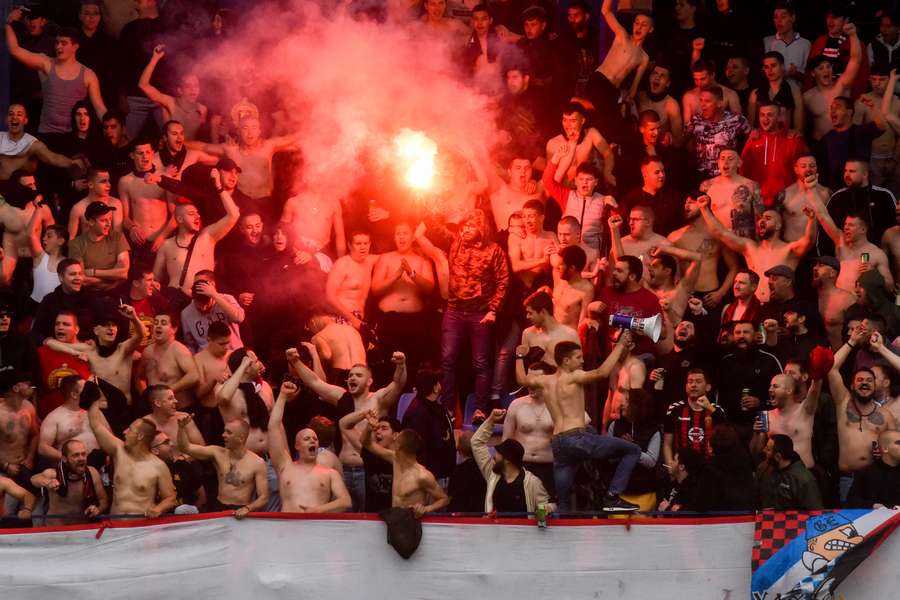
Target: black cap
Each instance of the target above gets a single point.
(226, 164)
(783, 270)
(815, 61)
(511, 450)
(97, 209)
(10, 377)
(830, 261)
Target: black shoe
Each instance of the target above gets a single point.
(616, 504)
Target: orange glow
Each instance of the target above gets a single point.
(416, 153)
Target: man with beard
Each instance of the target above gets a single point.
(512, 195)
(796, 333)
(412, 485)
(357, 397)
(670, 377)
(18, 149)
(192, 249)
(510, 486)
(689, 423)
(18, 445)
(207, 306)
(168, 362)
(581, 44)
(576, 146)
(730, 193)
(148, 210)
(770, 250)
(833, 301)
(103, 251)
(528, 422)
(110, 360)
(524, 112)
(350, 279)
(785, 483)
(771, 153)
(625, 55)
(658, 99)
(74, 489)
(745, 306)
(860, 420)
(696, 237)
(545, 331)
(66, 422)
(243, 484)
(876, 205)
(572, 442)
(792, 415)
(303, 485)
(626, 295)
(747, 367)
(673, 291)
(783, 298)
(794, 197)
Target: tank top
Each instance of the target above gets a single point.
(60, 95)
(45, 281)
(782, 97)
(189, 117)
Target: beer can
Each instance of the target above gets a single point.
(764, 420)
(541, 514)
(864, 257)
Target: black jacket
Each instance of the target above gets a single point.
(878, 483)
(751, 369)
(432, 422)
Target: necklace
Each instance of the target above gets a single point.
(180, 246)
(859, 415)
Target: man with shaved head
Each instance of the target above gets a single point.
(243, 481)
(304, 485)
(792, 415)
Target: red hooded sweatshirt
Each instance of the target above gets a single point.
(768, 159)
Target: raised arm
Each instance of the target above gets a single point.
(523, 378)
(437, 256)
(185, 446)
(109, 443)
(813, 394)
(616, 249)
(220, 228)
(132, 343)
(279, 450)
(554, 188)
(800, 247)
(835, 381)
(480, 439)
(32, 60)
(33, 227)
(368, 443)
(346, 425)
(623, 346)
(728, 238)
(387, 396)
(327, 392)
(610, 17)
(157, 97)
(849, 74)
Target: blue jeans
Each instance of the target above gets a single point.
(274, 504)
(571, 448)
(458, 328)
(506, 358)
(140, 108)
(355, 480)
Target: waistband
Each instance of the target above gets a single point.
(572, 431)
(353, 468)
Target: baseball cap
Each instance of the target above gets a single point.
(511, 450)
(783, 270)
(817, 60)
(96, 209)
(829, 261)
(226, 164)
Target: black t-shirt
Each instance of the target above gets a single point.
(187, 479)
(510, 496)
(689, 426)
(379, 478)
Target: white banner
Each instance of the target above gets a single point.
(349, 559)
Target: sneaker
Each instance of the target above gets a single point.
(616, 504)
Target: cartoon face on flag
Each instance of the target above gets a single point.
(805, 556)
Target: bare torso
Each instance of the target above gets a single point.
(67, 424)
(570, 301)
(794, 422)
(17, 428)
(147, 205)
(344, 346)
(303, 485)
(698, 239)
(136, 482)
(160, 366)
(548, 338)
(832, 306)
(533, 428)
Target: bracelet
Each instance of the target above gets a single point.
(852, 347)
(520, 356)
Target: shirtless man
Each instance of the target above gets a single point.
(66, 422)
(147, 208)
(164, 413)
(792, 415)
(212, 369)
(859, 418)
(625, 55)
(852, 248)
(109, 361)
(402, 281)
(173, 158)
(530, 256)
(572, 444)
(99, 187)
(883, 164)
(770, 250)
(833, 301)
(571, 292)
(657, 99)
(168, 362)
(568, 233)
(19, 433)
(337, 344)
(545, 331)
(818, 99)
(74, 489)
(253, 154)
(350, 279)
(356, 397)
(512, 195)
(575, 146)
(243, 481)
(413, 485)
(673, 291)
(313, 217)
(704, 73)
(730, 192)
(143, 484)
(779, 88)
(239, 398)
(183, 107)
(57, 106)
(695, 237)
(794, 197)
(35, 215)
(170, 261)
(18, 149)
(304, 485)
(640, 241)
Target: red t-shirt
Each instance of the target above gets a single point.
(145, 312)
(641, 303)
(54, 366)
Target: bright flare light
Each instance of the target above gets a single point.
(416, 152)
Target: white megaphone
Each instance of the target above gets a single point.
(650, 327)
